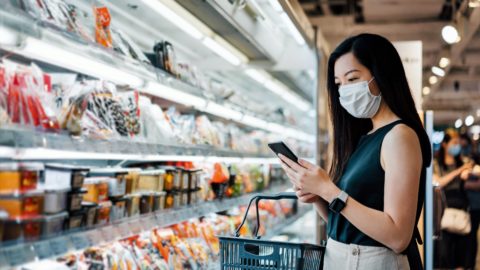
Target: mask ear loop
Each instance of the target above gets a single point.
(369, 88)
(371, 80)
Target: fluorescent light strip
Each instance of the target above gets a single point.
(222, 111)
(254, 122)
(174, 18)
(276, 5)
(221, 51)
(55, 55)
(163, 91)
(293, 29)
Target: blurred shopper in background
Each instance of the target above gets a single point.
(452, 250)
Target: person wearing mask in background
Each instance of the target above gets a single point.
(466, 144)
(450, 173)
(373, 195)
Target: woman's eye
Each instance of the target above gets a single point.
(352, 79)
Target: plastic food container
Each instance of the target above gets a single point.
(146, 203)
(194, 178)
(3, 218)
(117, 179)
(171, 178)
(27, 204)
(133, 205)
(75, 199)
(177, 199)
(158, 201)
(75, 220)
(194, 196)
(62, 176)
(90, 213)
(54, 224)
(169, 200)
(97, 189)
(55, 201)
(183, 197)
(132, 178)
(103, 214)
(118, 210)
(22, 228)
(151, 180)
(19, 176)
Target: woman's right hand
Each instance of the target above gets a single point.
(466, 170)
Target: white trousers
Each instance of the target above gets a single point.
(340, 256)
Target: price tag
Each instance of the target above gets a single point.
(43, 250)
(136, 226)
(95, 237)
(80, 241)
(20, 254)
(123, 230)
(59, 245)
(108, 234)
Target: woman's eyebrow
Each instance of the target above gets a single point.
(348, 72)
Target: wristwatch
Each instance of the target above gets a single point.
(339, 202)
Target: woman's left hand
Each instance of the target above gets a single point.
(308, 178)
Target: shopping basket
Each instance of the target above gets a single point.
(238, 253)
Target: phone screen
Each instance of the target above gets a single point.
(281, 148)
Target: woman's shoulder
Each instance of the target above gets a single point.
(402, 133)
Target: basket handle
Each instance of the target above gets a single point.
(257, 198)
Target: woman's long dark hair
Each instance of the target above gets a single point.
(441, 154)
(378, 55)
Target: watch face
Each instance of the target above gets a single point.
(337, 205)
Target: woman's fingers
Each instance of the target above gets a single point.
(306, 164)
(291, 163)
(291, 175)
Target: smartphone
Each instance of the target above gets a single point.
(281, 148)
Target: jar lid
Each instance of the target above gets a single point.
(66, 167)
(48, 218)
(21, 166)
(152, 172)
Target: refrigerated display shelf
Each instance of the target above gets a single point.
(14, 254)
(29, 144)
(302, 211)
(47, 44)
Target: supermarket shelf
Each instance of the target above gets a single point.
(28, 144)
(17, 254)
(65, 50)
(302, 211)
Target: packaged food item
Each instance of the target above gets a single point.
(132, 179)
(103, 215)
(17, 205)
(54, 224)
(55, 201)
(75, 220)
(165, 57)
(19, 176)
(158, 201)
(151, 180)
(61, 176)
(75, 199)
(146, 203)
(177, 199)
(97, 189)
(103, 35)
(118, 210)
(170, 175)
(116, 179)
(169, 200)
(22, 228)
(91, 213)
(184, 197)
(133, 204)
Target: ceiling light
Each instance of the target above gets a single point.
(293, 29)
(475, 129)
(469, 120)
(276, 5)
(474, 3)
(426, 91)
(220, 50)
(444, 62)
(174, 18)
(458, 123)
(450, 34)
(41, 50)
(476, 136)
(438, 71)
(433, 79)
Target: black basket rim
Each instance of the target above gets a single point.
(261, 241)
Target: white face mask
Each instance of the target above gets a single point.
(357, 99)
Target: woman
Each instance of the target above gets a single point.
(450, 173)
(372, 196)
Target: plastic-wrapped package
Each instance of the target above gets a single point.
(129, 102)
(103, 35)
(205, 132)
(183, 126)
(155, 126)
(125, 45)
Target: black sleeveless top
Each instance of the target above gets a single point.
(363, 180)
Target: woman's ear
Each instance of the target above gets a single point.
(374, 89)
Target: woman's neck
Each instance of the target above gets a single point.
(383, 117)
